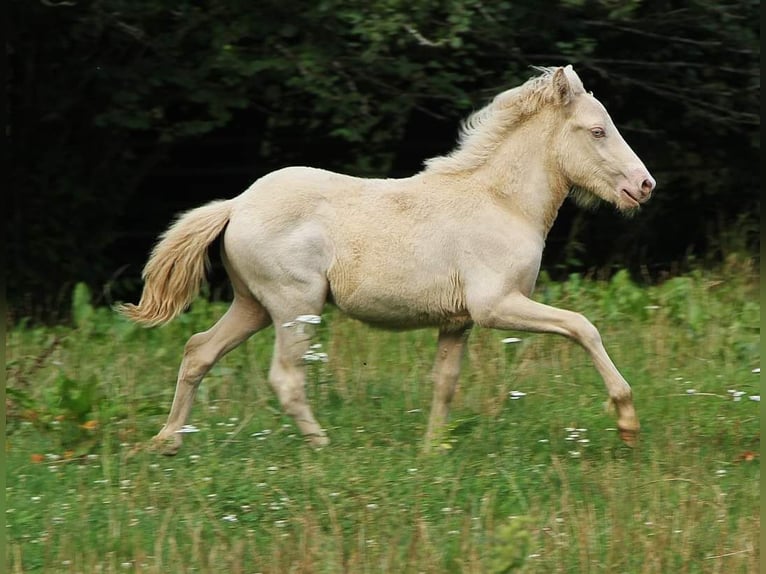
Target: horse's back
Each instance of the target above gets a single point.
(300, 182)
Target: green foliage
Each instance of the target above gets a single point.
(70, 413)
(677, 296)
(624, 297)
(78, 426)
(102, 92)
(510, 545)
(82, 309)
(71, 409)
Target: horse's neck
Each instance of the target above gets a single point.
(521, 174)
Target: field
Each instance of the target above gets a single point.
(531, 476)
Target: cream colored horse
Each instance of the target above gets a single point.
(455, 245)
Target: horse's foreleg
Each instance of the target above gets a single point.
(243, 318)
(520, 313)
(449, 356)
(288, 376)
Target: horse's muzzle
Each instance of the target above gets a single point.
(637, 188)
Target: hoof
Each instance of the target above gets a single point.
(167, 445)
(317, 441)
(442, 448)
(436, 446)
(629, 436)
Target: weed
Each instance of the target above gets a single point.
(535, 479)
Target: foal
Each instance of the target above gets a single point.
(455, 245)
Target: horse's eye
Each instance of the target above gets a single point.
(597, 132)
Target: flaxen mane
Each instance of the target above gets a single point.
(486, 128)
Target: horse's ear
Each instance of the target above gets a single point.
(561, 87)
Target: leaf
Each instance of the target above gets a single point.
(509, 545)
(76, 398)
(82, 310)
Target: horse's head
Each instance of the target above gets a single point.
(590, 151)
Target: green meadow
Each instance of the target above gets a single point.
(531, 475)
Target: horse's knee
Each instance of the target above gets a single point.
(584, 331)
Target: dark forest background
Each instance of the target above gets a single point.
(125, 112)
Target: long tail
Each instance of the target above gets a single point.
(176, 268)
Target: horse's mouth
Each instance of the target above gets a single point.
(634, 200)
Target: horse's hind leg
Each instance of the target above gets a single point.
(243, 318)
(288, 376)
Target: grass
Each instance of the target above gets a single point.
(536, 483)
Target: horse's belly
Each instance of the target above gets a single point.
(397, 314)
(389, 301)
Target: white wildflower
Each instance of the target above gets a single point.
(304, 320)
(312, 356)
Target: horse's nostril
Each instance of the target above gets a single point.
(647, 186)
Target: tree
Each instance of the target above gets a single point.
(102, 92)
